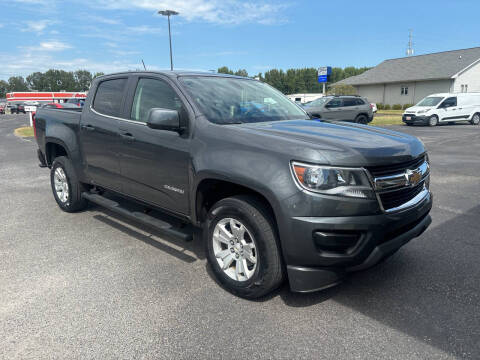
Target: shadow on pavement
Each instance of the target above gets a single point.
(429, 290)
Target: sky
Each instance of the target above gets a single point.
(257, 35)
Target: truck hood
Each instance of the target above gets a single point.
(339, 143)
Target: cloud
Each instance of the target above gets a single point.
(36, 26)
(213, 11)
(145, 29)
(53, 45)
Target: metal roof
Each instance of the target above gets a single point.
(441, 65)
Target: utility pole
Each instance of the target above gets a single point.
(410, 43)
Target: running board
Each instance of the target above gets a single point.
(145, 219)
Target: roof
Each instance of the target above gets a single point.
(436, 66)
(176, 73)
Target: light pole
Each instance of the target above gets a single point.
(169, 13)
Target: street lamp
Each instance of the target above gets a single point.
(169, 13)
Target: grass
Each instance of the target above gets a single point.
(25, 131)
(390, 112)
(386, 120)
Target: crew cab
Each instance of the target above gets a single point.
(278, 195)
(444, 108)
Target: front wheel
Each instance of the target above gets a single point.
(433, 120)
(242, 247)
(475, 119)
(67, 190)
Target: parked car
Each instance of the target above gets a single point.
(374, 107)
(2, 108)
(278, 195)
(444, 108)
(76, 101)
(17, 109)
(52, 106)
(344, 108)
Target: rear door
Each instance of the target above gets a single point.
(99, 138)
(154, 163)
(333, 110)
(350, 108)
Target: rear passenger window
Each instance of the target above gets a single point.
(349, 102)
(153, 93)
(359, 102)
(335, 103)
(109, 95)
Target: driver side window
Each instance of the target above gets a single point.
(335, 103)
(449, 102)
(153, 93)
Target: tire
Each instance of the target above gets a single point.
(409, 124)
(475, 119)
(62, 175)
(254, 279)
(433, 120)
(361, 119)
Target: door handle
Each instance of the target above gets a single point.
(87, 127)
(127, 136)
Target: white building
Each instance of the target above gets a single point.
(407, 80)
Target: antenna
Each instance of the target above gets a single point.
(409, 51)
(144, 67)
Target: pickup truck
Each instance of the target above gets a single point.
(279, 195)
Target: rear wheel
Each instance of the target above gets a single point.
(433, 120)
(67, 190)
(361, 119)
(242, 247)
(475, 119)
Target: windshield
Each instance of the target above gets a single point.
(231, 101)
(318, 102)
(430, 101)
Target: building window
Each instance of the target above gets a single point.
(404, 90)
(464, 88)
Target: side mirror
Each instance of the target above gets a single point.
(164, 119)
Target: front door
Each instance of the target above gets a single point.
(334, 110)
(99, 139)
(449, 110)
(154, 163)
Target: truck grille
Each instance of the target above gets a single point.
(396, 184)
(393, 199)
(385, 170)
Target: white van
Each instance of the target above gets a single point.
(444, 108)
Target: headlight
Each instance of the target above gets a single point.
(421, 111)
(333, 181)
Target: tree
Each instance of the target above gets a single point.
(3, 88)
(83, 79)
(17, 83)
(241, 72)
(341, 89)
(98, 74)
(57, 80)
(225, 70)
(36, 81)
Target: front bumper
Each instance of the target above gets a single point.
(312, 267)
(415, 119)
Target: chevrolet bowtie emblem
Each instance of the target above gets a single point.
(413, 177)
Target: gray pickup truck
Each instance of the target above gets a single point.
(278, 195)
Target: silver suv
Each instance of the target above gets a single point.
(346, 108)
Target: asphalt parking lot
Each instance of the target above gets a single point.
(91, 285)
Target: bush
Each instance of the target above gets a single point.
(396, 107)
(406, 106)
(386, 107)
(380, 106)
